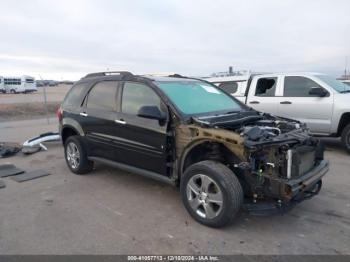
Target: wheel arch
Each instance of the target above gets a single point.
(205, 149)
(344, 121)
(67, 131)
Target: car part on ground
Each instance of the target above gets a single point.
(190, 133)
(30, 175)
(34, 145)
(8, 149)
(9, 170)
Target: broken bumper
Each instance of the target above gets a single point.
(308, 185)
(301, 188)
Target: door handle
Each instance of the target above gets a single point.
(83, 114)
(254, 102)
(121, 121)
(286, 103)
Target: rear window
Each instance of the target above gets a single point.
(229, 87)
(73, 97)
(103, 96)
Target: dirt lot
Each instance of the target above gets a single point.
(54, 94)
(31, 106)
(113, 212)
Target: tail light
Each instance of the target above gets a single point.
(59, 113)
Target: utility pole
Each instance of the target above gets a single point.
(45, 102)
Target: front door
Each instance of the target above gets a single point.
(142, 141)
(298, 104)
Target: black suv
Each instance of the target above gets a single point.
(185, 131)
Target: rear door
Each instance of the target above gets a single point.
(263, 94)
(142, 141)
(298, 104)
(98, 115)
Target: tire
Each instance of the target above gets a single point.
(206, 207)
(12, 91)
(345, 137)
(79, 164)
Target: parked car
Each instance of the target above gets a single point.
(189, 133)
(316, 99)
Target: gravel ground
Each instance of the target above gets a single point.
(114, 212)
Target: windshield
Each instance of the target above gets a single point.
(195, 97)
(335, 84)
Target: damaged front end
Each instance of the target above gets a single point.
(281, 164)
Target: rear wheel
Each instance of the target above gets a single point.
(211, 193)
(346, 138)
(13, 91)
(76, 156)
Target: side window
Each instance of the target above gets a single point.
(229, 87)
(297, 86)
(74, 96)
(103, 96)
(266, 87)
(136, 95)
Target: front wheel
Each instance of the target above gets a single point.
(211, 193)
(345, 137)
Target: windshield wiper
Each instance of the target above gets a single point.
(232, 112)
(345, 91)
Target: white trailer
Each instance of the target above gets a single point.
(2, 88)
(23, 84)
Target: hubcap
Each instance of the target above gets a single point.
(204, 196)
(73, 155)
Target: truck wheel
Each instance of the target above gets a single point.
(76, 156)
(211, 193)
(345, 137)
(12, 91)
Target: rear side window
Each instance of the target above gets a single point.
(103, 96)
(266, 87)
(229, 87)
(73, 97)
(297, 86)
(136, 95)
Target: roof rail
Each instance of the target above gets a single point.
(122, 73)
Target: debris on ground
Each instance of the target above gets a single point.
(34, 145)
(8, 149)
(30, 175)
(9, 170)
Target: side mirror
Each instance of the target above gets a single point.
(318, 91)
(151, 112)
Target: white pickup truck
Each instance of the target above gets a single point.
(318, 100)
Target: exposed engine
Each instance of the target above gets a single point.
(276, 148)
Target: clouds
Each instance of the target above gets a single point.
(66, 39)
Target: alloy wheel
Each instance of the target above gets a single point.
(204, 196)
(73, 155)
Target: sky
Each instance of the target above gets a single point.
(67, 39)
